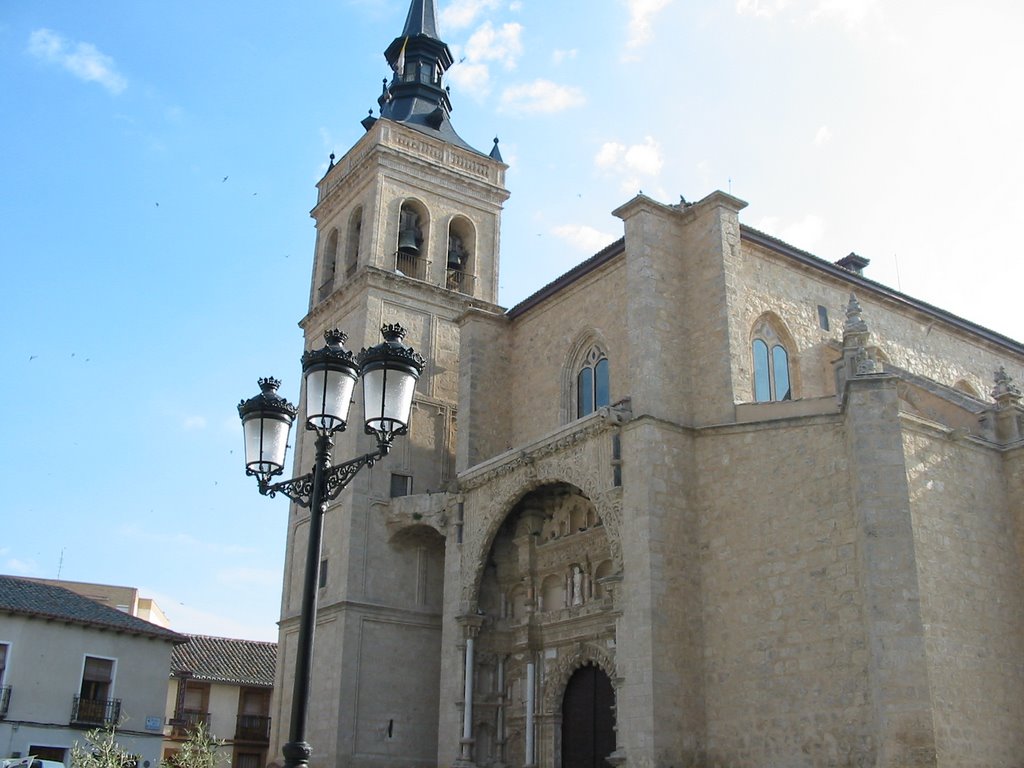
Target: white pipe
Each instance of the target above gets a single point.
(467, 712)
(531, 676)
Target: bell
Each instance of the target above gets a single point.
(407, 242)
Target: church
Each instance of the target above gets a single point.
(706, 500)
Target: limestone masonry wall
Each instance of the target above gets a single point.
(972, 599)
(785, 651)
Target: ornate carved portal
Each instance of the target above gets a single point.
(546, 605)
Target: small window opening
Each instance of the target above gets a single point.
(323, 573)
(401, 485)
(823, 317)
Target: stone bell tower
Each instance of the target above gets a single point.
(408, 225)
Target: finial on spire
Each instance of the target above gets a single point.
(331, 164)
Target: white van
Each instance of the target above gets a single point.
(29, 762)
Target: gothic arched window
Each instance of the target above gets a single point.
(592, 382)
(771, 366)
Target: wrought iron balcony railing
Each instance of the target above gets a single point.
(411, 266)
(95, 712)
(186, 720)
(5, 700)
(457, 280)
(253, 728)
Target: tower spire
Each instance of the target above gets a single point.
(422, 19)
(419, 58)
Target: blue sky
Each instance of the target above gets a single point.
(159, 162)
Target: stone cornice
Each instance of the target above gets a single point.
(602, 420)
(389, 138)
(368, 276)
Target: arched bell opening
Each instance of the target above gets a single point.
(413, 235)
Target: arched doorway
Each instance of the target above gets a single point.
(588, 720)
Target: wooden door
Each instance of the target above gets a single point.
(588, 733)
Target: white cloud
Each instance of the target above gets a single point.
(83, 60)
(763, 8)
(823, 136)
(639, 159)
(583, 237)
(193, 423)
(541, 96)
(475, 79)
(503, 45)
(558, 56)
(853, 13)
(641, 14)
(461, 13)
(472, 73)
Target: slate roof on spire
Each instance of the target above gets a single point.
(416, 96)
(422, 20)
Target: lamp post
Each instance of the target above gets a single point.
(389, 372)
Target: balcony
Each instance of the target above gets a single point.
(185, 721)
(457, 280)
(5, 700)
(252, 728)
(410, 265)
(89, 712)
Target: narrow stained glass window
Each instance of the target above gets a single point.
(601, 396)
(780, 369)
(585, 392)
(762, 381)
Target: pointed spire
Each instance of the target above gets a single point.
(495, 152)
(422, 20)
(416, 96)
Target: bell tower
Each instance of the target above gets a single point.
(407, 231)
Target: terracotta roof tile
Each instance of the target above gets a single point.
(45, 601)
(226, 660)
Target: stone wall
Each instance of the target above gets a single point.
(972, 597)
(785, 649)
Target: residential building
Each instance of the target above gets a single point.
(125, 599)
(705, 500)
(226, 685)
(69, 664)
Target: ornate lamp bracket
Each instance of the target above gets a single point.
(300, 489)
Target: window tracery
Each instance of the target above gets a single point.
(592, 382)
(770, 365)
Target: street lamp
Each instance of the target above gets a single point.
(389, 372)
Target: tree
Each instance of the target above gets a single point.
(199, 750)
(101, 750)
